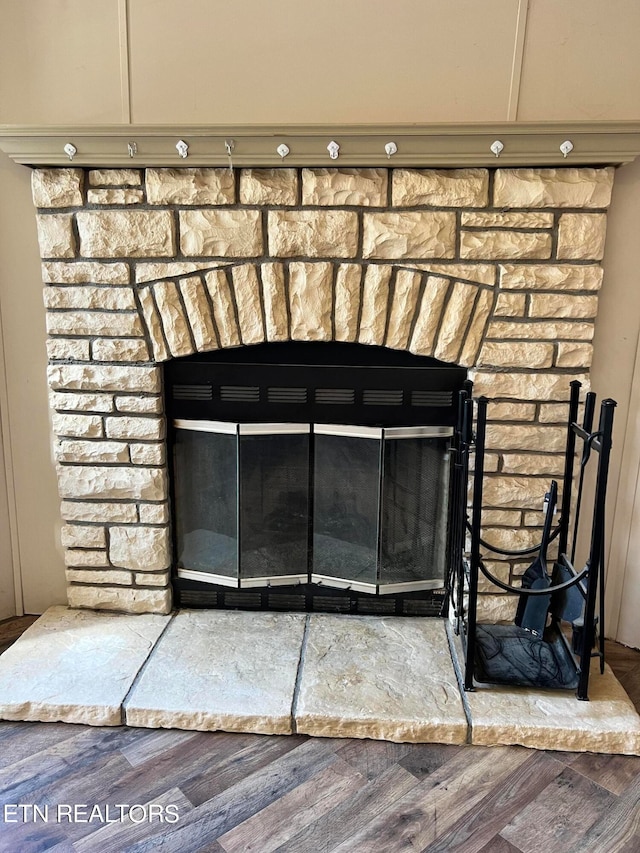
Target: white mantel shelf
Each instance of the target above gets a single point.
(419, 145)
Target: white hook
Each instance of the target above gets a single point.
(391, 148)
(70, 150)
(230, 144)
(497, 147)
(182, 148)
(566, 147)
(283, 150)
(132, 148)
(333, 148)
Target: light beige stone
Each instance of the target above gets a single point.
(504, 517)
(379, 677)
(375, 298)
(55, 235)
(511, 538)
(414, 234)
(88, 426)
(106, 298)
(310, 301)
(479, 273)
(154, 513)
(139, 548)
(553, 413)
(313, 233)
(57, 187)
(83, 536)
(102, 483)
(91, 451)
(172, 315)
(120, 349)
(364, 187)
(505, 244)
(75, 666)
(510, 305)
(498, 570)
(511, 411)
(108, 576)
(238, 673)
(581, 236)
(563, 306)
(553, 187)
(114, 177)
(158, 270)
(510, 219)
(139, 405)
(81, 558)
(129, 427)
(491, 461)
(151, 578)
(117, 196)
(347, 301)
(123, 599)
(247, 292)
(424, 332)
(223, 310)
(275, 302)
(403, 308)
(67, 401)
(99, 512)
(108, 323)
(126, 233)
(147, 454)
(221, 233)
(440, 187)
(198, 313)
(521, 354)
(104, 378)
(457, 314)
(550, 277)
(476, 329)
(63, 349)
(519, 492)
(153, 323)
(574, 355)
(529, 437)
(494, 609)
(540, 330)
(533, 463)
(190, 186)
(268, 186)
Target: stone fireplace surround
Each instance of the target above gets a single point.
(493, 269)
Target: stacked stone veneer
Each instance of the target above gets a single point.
(496, 270)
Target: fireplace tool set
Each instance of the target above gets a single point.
(559, 622)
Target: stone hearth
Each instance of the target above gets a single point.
(495, 270)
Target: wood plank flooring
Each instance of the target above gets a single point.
(240, 793)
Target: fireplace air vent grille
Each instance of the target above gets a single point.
(240, 393)
(287, 395)
(383, 397)
(431, 398)
(192, 392)
(335, 396)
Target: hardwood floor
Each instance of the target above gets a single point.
(239, 793)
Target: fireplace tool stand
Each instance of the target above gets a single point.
(559, 623)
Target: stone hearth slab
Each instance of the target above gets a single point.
(76, 666)
(216, 669)
(376, 677)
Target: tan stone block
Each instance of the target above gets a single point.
(198, 314)
(223, 310)
(57, 187)
(139, 548)
(457, 314)
(491, 462)
(501, 517)
(81, 272)
(77, 425)
(553, 413)
(120, 599)
(101, 483)
(514, 437)
(563, 306)
(82, 557)
(62, 349)
(93, 452)
(107, 323)
(531, 519)
(510, 305)
(154, 513)
(364, 187)
(520, 492)
(533, 463)
(139, 405)
(55, 235)
(512, 538)
(114, 177)
(268, 186)
(83, 536)
(476, 329)
(113, 513)
(97, 576)
(247, 292)
(498, 570)
(581, 236)
(310, 301)
(148, 454)
(511, 411)
(496, 609)
(440, 187)
(574, 355)
(406, 290)
(120, 349)
(190, 186)
(153, 323)
(104, 378)
(540, 330)
(65, 401)
(275, 301)
(313, 233)
(550, 277)
(505, 244)
(117, 196)
(375, 298)
(512, 219)
(107, 298)
(480, 273)
(221, 233)
(347, 301)
(130, 427)
(126, 233)
(414, 234)
(424, 332)
(151, 578)
(157, 270)
(525, 386)
(174, 323)
(529, 355)
(560, 187)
